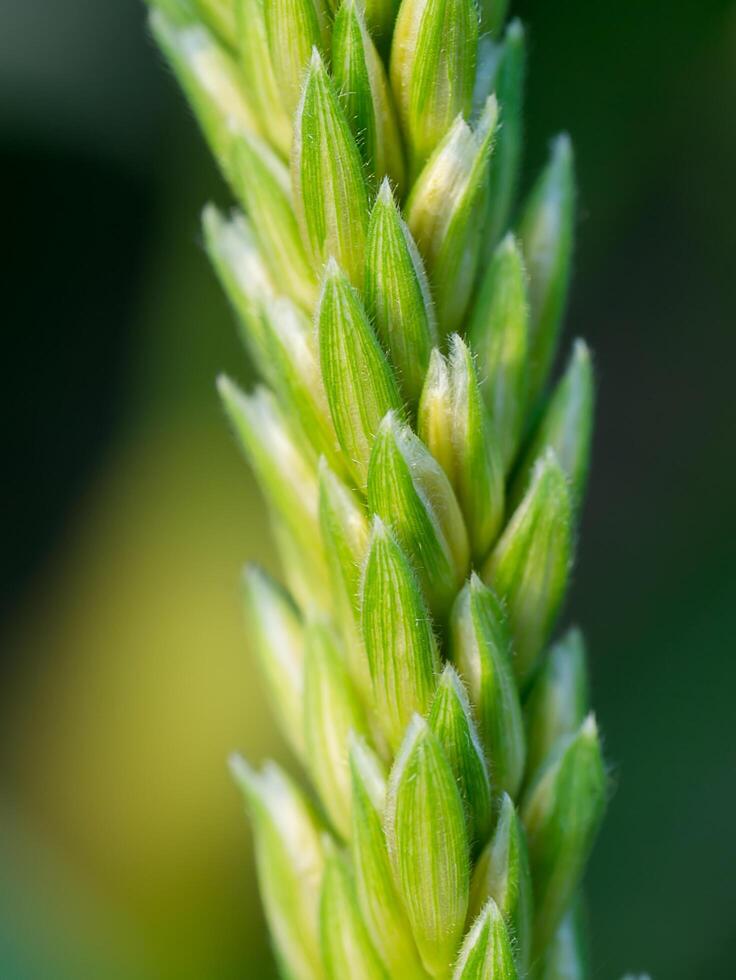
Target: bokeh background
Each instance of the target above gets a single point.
(127, 512)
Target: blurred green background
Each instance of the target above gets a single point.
(127, 512)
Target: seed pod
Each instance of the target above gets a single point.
(382, 908)
(257, 69)
(276, 333)
(530, 566)
(278, 639)
(331, 710)
(408, 488)
(397, 295)
(561, 812)
(432, 69)
(546, 235)
(346, 531)
(558, 701)
(567, 425)
(502, 874)
(361, 78)
(451, 719)
(327, 173)
(287, 475)
(567, 953)
(505, 163)
(397, 632)
(346, 946)
(454, 425)
(290, 862)
(486, 951)
(498, 334)
(261, 182)
(481, 651)
(435, 415)
(359, 383)
(446, 209)
(291, 344)
(428, 847)
(211, 81)
(233, 250)
(293, 30)
(345, 534)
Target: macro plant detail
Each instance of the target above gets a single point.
(423, 476)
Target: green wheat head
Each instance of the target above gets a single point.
(422, 479)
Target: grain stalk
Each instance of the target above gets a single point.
(423, 481)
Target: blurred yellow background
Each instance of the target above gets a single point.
(121, 739)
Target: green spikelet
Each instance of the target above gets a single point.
(402, 299)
